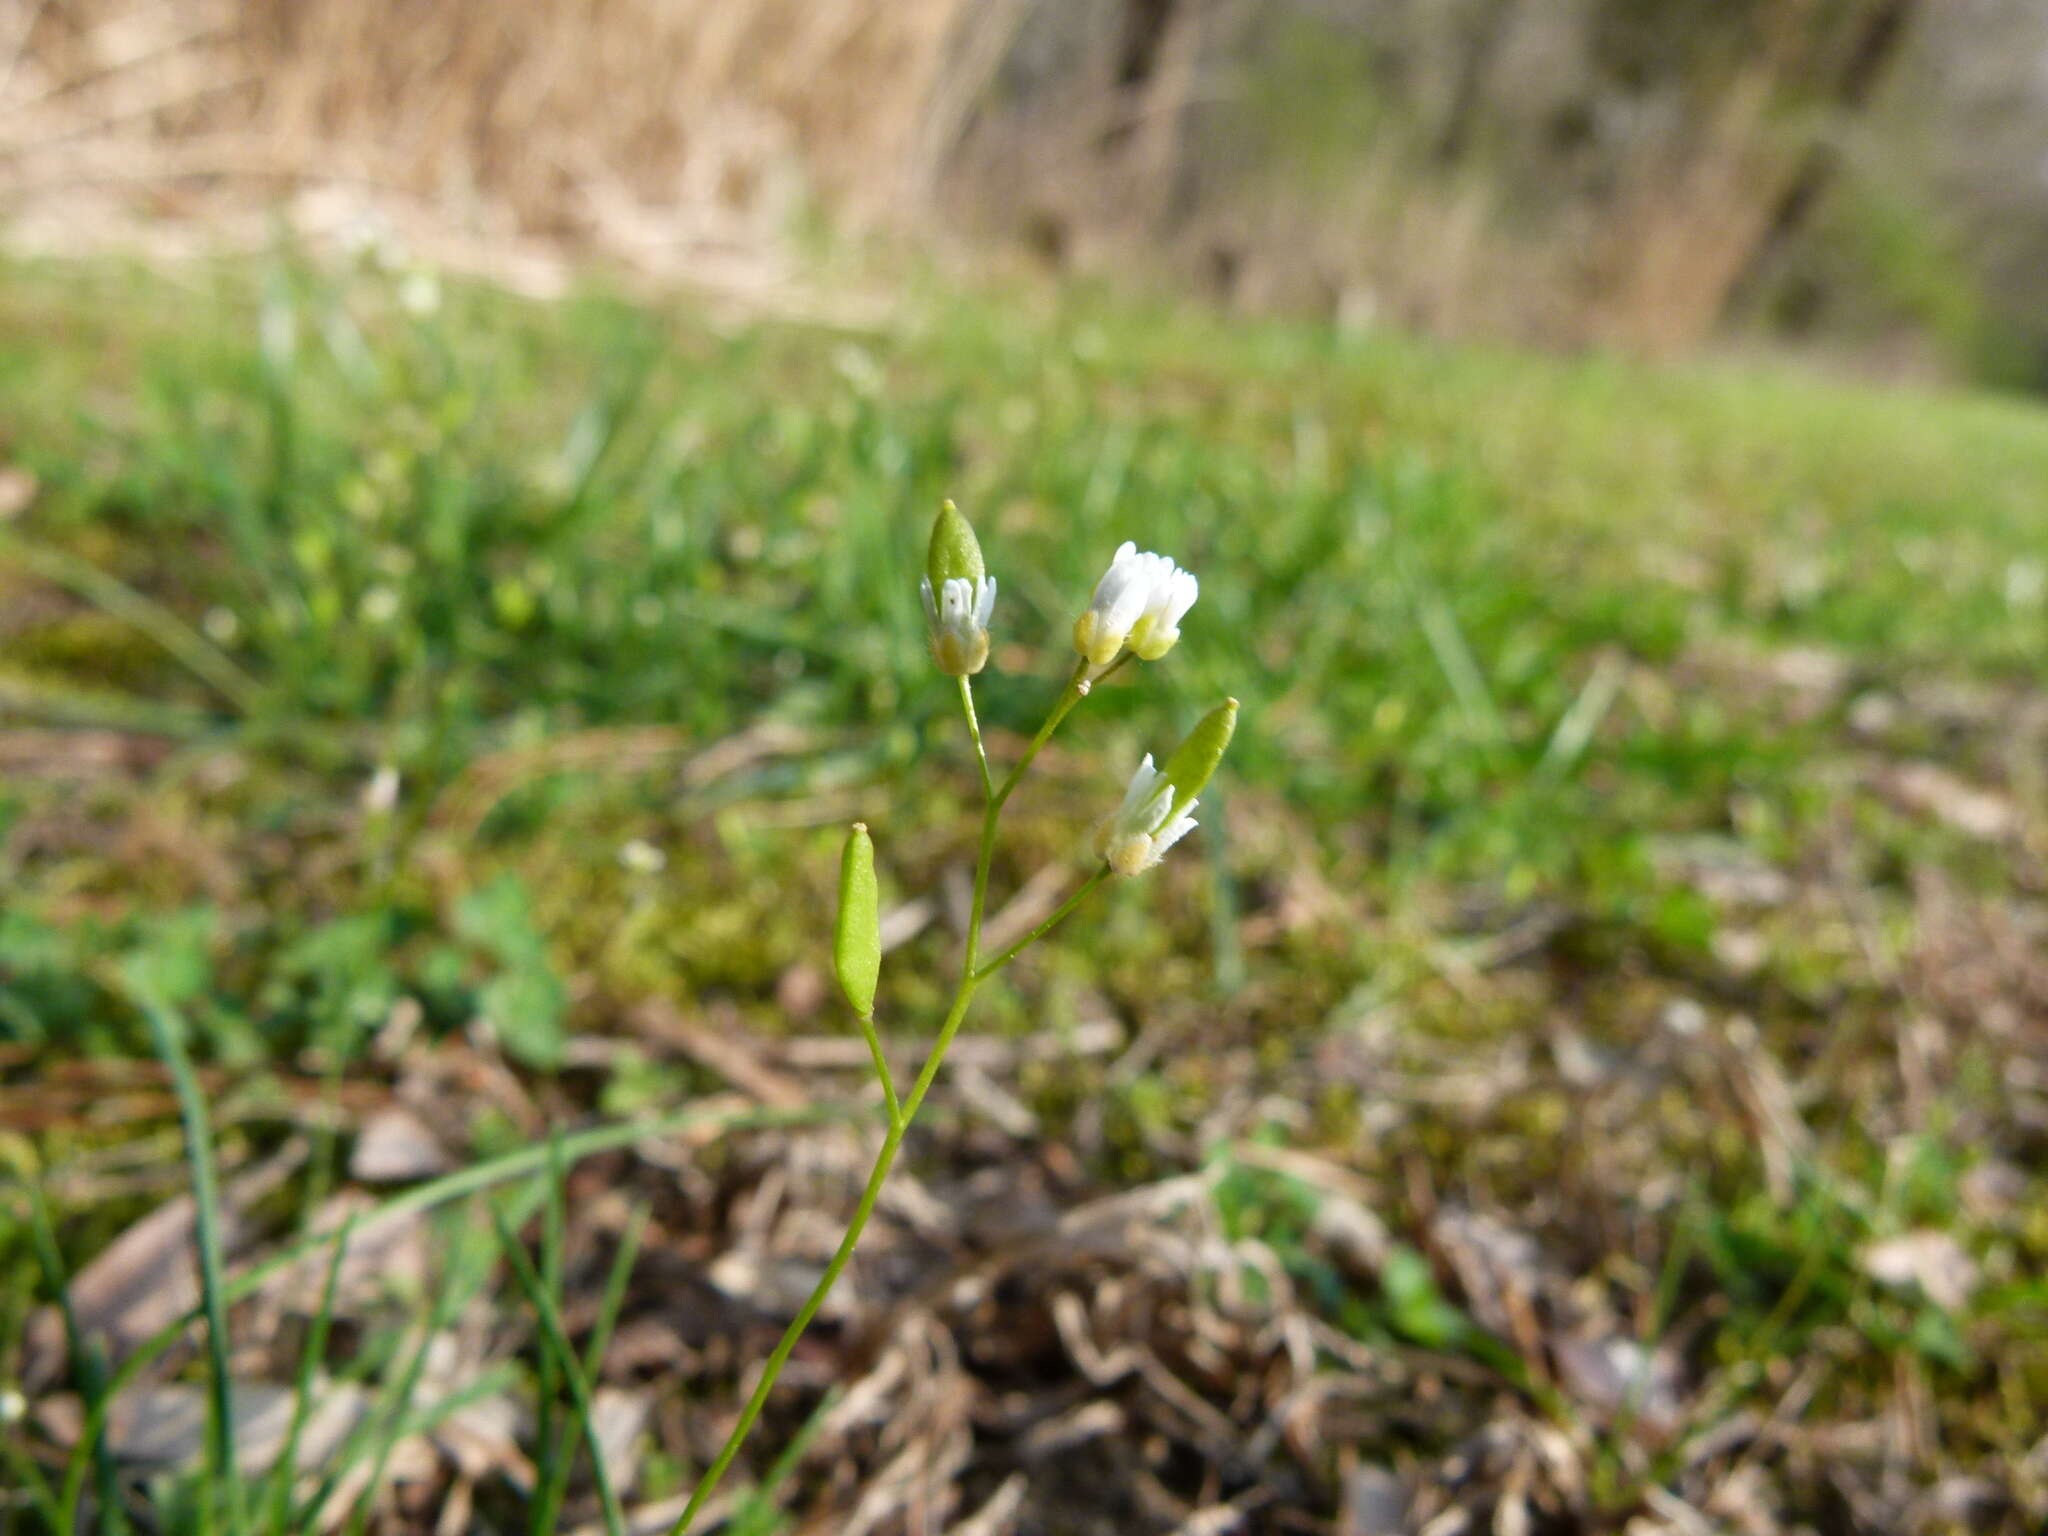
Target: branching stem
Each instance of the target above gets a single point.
(972, 974)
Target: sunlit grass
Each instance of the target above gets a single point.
(1527, 646)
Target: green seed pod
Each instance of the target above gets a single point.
(1194, 760)
(955, 553)
(857, 936)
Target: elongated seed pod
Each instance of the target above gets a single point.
(857, 934)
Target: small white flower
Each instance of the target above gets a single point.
(419, 294)
(1139, 602)
(958, 616)
(642, 857)
(1137, 834)
(380, 795)
(380, 605)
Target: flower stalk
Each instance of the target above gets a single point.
(1135, 612)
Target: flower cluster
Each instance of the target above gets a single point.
(1135, 611)
(1139, 602)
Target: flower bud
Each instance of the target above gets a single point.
(1155, 810)
(959, 596)
(954, 553)
(857, 933)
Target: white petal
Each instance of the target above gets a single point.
(1166, 837)
(984, 609)
(957, 602)
(931, 609)
(1143, 783)
(1116, 581)
(1152, 815)
(1128, 604)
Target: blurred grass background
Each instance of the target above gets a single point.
(478, 663)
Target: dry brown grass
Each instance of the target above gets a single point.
(672, 136)
(684, 138)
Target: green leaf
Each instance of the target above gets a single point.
(1416, 1309)
(528, 1007)
(173, 959)
(498, 919)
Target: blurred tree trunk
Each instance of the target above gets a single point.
(1874, 42)
(1486, 32)
(1742, 180)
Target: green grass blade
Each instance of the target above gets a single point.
(614, 1292)
(548, 1443)
(168, 1031)
(1461, 670)
(87, 1369)
(550, 1322)
(278, 1498)
(548, 1504)
(184, 644)
(511, 1165)
(394, 1412)
(27, 1475)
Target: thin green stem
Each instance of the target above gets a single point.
(984, 858)
(885, 1159)
(988, 783)
(756, 1515)
(1081, 894)
(867, 1028)
(947, 1030)
(1075, 691)
(901, 1117)
(1114, 667)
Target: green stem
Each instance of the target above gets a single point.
(983, 859)
(900, 1118)
(867, 1028)
(988, 783)
(885, 1159)
(1081, 894)
(1075, 691)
